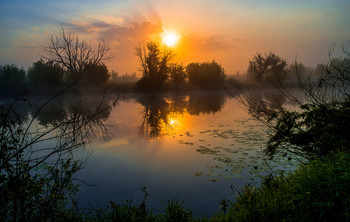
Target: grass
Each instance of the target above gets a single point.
(318, 191)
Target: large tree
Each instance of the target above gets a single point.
(73, 54)
(154, 65)
(45, 74)
(12, 80)
(177, 73)
(268, 67)
(97, 75)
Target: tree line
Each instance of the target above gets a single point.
(47, 77)
(269, 70)
(61, 67)
(158, 70)
(68, 59)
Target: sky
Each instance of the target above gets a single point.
(230, 32)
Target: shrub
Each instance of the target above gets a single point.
(318, 191)
(12, 80)
(316, 131)
(206, 75)
(45, 75)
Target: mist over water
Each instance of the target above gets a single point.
(188, 146)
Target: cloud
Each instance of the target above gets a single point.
(93, 27)
(124, 38)
(139, 32)
(136, 32)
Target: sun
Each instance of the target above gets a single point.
(170, 38)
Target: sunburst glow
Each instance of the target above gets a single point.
(170, 38)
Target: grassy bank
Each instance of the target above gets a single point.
(318, 191)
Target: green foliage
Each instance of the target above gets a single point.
(317, 130)
(268, 68)
(12, 80)
(175, 212)
(318, 191)
(206, 75)
(224, 204)
(128, 211)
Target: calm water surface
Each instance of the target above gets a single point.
(190, 147)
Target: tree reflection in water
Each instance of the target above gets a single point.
(160, 111)
(63, 110)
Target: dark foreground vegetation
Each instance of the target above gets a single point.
(38, 170)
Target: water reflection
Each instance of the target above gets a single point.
(206, 103)
(169, 115)
(155, 114)
(265, 103)
(52, 114)
(95, 109)
(202, 136)
(162, 113)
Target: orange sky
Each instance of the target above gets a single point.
(229, 32)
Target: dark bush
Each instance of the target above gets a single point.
(45, 75)
(206, 75)
(12, 80)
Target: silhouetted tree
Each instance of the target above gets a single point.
(296, 72)
(37, 166)
(45, 75)
(320, 125)
(177, 73)
(74, 55)
(267, 67)
(12, 80)
(96, 75)
(37, 169)
(154, 65)
(206, 75)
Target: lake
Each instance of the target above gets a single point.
(197, 147)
